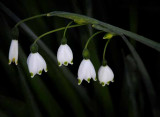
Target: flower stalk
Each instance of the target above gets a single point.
(30, 18)
(56, 30)
(104, 53)
(92, 37)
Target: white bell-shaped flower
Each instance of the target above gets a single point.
(105, 75)
(36, 64)
(64, 55)
(86, 71)
(13, 52)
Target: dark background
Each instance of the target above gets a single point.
(135, 92)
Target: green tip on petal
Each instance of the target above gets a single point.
(46, 70)
(108, 82)
(9, 61)
(72, 62)
(40, 72)
(59, 64)
(112, 80)
(95, 79)
(103, 84)
(13, 60)
(16, 62)
(79, 81)
(88, 80)
(31, 74)
(65, 63)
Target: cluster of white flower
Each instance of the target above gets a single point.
(86, 71)
(36, 63)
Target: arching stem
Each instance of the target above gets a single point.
(30, 18)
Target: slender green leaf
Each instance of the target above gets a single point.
(131, 86)
(104, 26)
(145, 77)
(13, 106)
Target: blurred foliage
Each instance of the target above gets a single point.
(134, 93)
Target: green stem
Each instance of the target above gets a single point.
(30, 18)
(64, 35)
(104, 52)
(52, 31)
(91, 38)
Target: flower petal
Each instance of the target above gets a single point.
(60, 54)
(13, 52)
(105, 74)
(41, 63)
(64, 55)
(32, 64)
(68, 54)
(92, 70)
(86, 70)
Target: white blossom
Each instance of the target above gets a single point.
(64, 55)
(86, 71)
(13, 52)
(36, 64)
(105, 75)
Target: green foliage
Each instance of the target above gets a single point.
(57, 93)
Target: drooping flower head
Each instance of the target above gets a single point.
(13, 52)
(105, 75)
(64, 55)
(36, 64)
(86, 71)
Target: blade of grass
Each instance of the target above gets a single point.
(131, 86)
(145, 77)
(13, 106)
